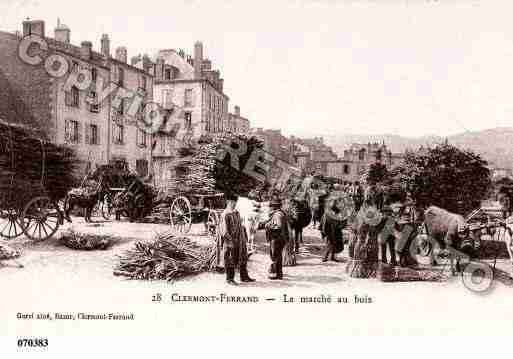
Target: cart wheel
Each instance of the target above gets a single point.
(181, 215)
(40, 219)
(10, 223)
(212, 223)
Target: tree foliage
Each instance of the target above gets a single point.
(445, 176)
(377, 173)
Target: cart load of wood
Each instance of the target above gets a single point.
(86, 241)
(204, 173)
(159, 214)
(166, 258)
(27, 160)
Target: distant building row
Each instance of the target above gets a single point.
(312, 154)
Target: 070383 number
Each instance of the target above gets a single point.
(33, 343)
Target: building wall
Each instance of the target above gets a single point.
(90, 154)
(30, 88)
(129, 150)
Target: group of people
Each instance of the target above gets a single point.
(232, 240)
(232, 237)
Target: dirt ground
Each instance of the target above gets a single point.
(55, 278)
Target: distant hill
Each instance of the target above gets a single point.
(495, 145)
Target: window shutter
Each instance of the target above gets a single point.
(79, 132)
(113, 132)
(88, 131)
(191, 100)
(66, 131)
(97, 134)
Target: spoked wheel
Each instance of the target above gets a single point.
(212, 223)
(181, 215)
(40, 219)
(10, 223)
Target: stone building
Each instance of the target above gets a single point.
(276, 144)
(192, 89)
(237, 123)
(98, 133)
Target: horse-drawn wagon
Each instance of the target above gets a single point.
(34, 176)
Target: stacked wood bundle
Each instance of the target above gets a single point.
(159, 214)
(199, 171)
(85, 241)
(29, 164)
(167, 258)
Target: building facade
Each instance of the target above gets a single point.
(237, 123)
(69, 115)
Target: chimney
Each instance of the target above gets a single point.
(198, 59)
(237, 111)
(121, 54)
(34, 27)
(105, 45)
(85, 49)
(62, 32)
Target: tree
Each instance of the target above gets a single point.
(377, 172)
(445, 176)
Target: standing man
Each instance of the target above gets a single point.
(358, 196)
(331, 230)
(277, 234)
(231, 243)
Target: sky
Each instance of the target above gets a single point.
(312, 67)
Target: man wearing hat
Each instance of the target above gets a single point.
(277, 234)
(231, 243)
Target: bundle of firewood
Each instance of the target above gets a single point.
(27, 162)
(166, 258)
(159, 214)
(85, 241)
(203, 173)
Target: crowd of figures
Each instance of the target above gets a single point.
(380, 225)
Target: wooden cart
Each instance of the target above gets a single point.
(196, 208)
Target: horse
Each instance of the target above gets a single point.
(83, 199)
(299, 215)
(252, 214)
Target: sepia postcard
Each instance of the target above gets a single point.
(319, 168)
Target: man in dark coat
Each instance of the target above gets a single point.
(231, 243)
(331, 230)
(277, 235)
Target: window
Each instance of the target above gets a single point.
(121, 108)
(378, 155)
(71, 134)
(144, 82)
(167, 74)
(346, 169)
(141, 138)
(92, 135)
(167, 98)
(94, 74)
(188, 100)
(188, 120)
(119, 135)
(141, 167)
(94, 106)
(121, 77)
(361, 155)
(72, 98)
